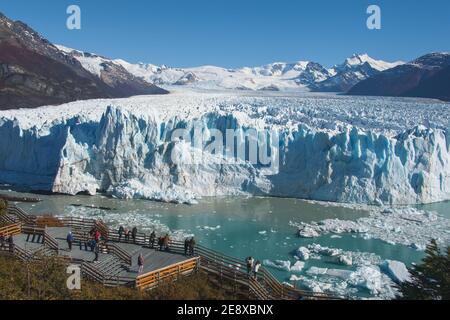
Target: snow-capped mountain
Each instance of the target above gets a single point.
(352, 71)
(427, 76)
(278, 76)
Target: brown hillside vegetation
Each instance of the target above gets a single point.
(46, 280)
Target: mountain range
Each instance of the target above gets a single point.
(35, 72)
(278, 76)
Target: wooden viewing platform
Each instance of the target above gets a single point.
(35, 236)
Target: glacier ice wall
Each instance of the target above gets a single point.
(130, 156)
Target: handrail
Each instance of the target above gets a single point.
(266, 286)
(154, 278)
(6, 219)
(11, 230)
(50, 241)
(119, 253)
(20, 213)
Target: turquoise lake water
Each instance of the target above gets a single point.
(238, 226)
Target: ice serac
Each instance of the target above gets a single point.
(129, 153)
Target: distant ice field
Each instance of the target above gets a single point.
(328, 112)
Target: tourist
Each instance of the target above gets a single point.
(152, 239)
(70, 240)
(121, 231)
(98, 236)
(134, 234)
(127, 235)
(11, 243)
(141, 263)
(187, 244)
(166, 242)
(96, 251)
(256, 269)
(249, 261)
(192, 247)
(92, 244)
(161, 243)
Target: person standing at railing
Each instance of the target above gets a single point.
(141, 263)
(256, 269)
(121, 231)
(192, 246)
(187, 244)
(127, 235)
(161, 243)
(134, 234)
(152, 239)
(166, 242)
(96, 251)
(249, 261)
(98, 235)
(11, 243)
(70, 240)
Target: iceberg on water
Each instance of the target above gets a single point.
(337, 149)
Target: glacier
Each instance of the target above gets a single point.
(331, 148)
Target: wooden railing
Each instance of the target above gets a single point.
(50, 242)
(266, 286)
(11, 230)
(119, 253)
(6, 219)
(21, 214)
(170, 273)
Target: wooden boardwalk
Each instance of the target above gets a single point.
(117, 263)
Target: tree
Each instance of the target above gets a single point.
(430, 280)
(3, 206)
(3, 210)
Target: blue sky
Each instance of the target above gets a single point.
(234, 33)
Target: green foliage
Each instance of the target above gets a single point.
(46, 280)
(3, 206)
(430, 280)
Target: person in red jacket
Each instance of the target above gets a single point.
(97, 236)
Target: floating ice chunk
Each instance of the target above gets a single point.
(336, 273)
(396, 270)
(262, 232)
(316, 271)
(210, 228)
(345, 259)
(317, 248)
(368, 277)
(407, 226)
(303, 253)
(278, 264)
(298, 266)
(308, 232)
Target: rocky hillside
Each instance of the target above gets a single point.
(34, 72)
(426, 77)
